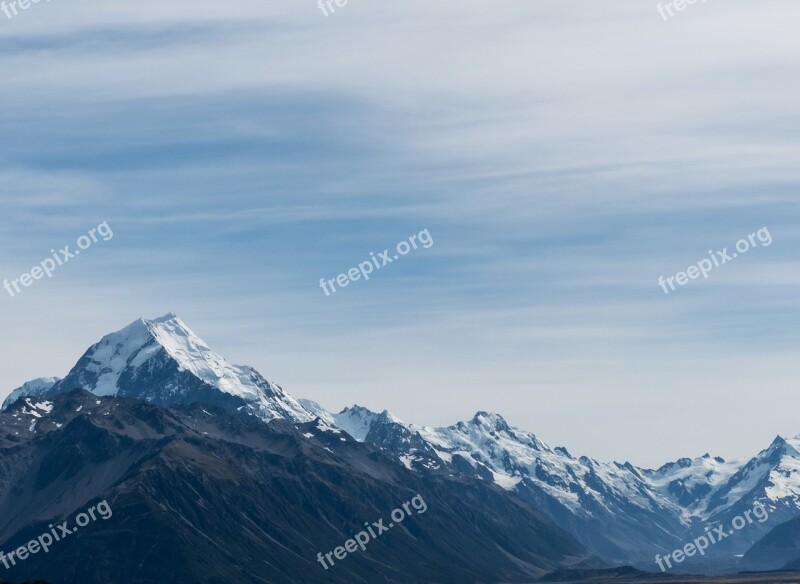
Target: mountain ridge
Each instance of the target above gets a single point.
(217, 496)
(619, 511)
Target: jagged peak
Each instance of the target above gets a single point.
(358, 420)
(357, 409)
(779, 441)
(384, 416)
(166, 318)
(786, 446)
(563, 451)
(491, 420)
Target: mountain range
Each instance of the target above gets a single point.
(216, 475)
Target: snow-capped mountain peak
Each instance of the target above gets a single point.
(163, 361)
(193, 355)
(491, 421)
(33, 388)
(358, 421)
(691, 482)
(772, 478)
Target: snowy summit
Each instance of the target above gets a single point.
(163, 361)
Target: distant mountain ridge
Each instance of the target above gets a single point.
(620, 512)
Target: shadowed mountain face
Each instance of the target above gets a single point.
(779, 547)
(205, 496)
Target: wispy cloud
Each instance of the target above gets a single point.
(563, 156)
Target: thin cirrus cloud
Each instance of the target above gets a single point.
(563, 156)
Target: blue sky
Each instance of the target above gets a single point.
(563, 157)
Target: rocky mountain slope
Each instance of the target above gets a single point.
(203, 495)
